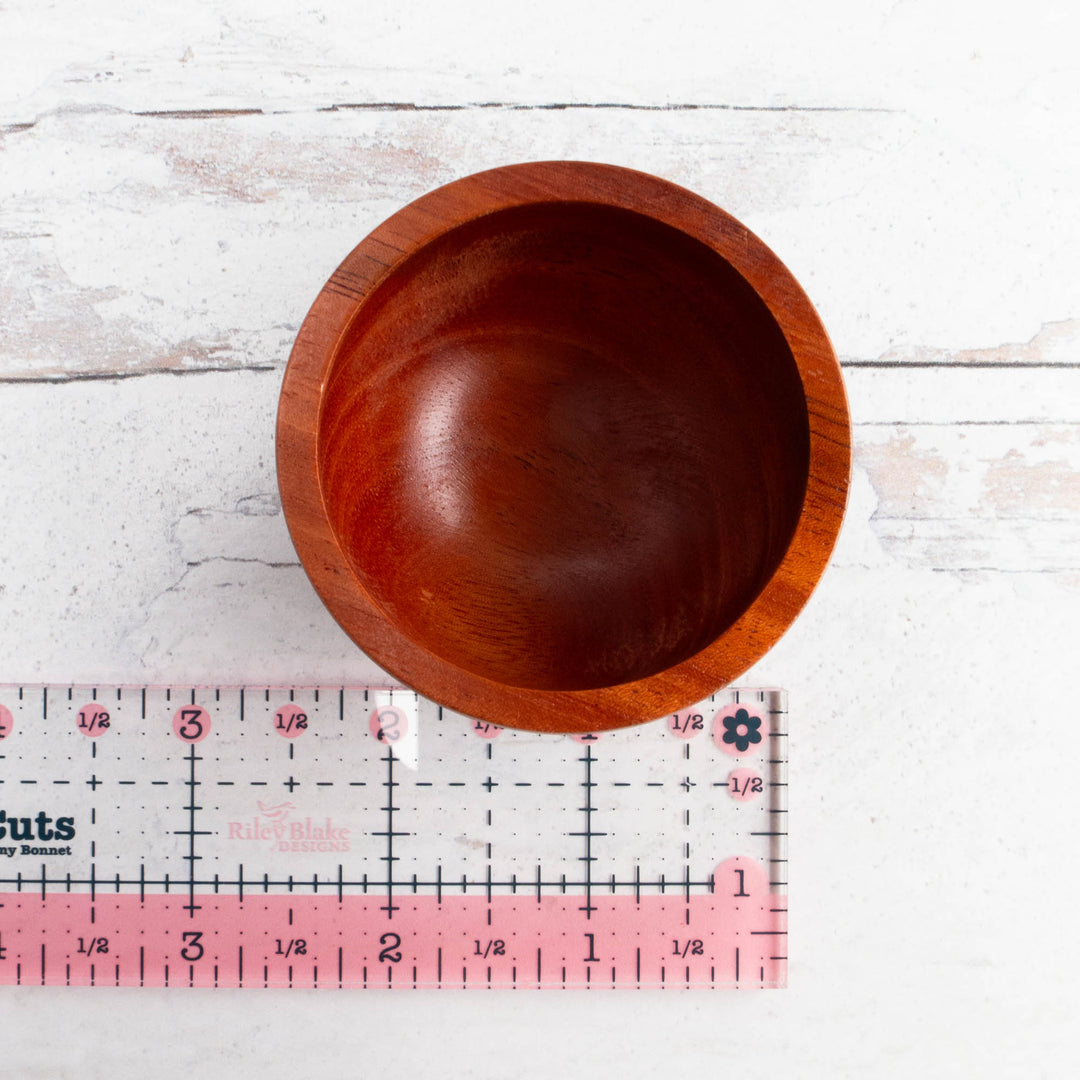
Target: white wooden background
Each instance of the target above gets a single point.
(177, 181)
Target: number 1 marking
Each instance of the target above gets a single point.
(592, 958)
(742, 890)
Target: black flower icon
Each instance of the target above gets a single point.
(742, 729)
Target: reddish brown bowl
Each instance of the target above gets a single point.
(563, 446)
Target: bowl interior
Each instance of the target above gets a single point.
(563, 446)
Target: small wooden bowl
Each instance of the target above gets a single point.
(563, 446)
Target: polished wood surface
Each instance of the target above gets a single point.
(563, 446)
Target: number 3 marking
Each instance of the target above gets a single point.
(193, 948)
(191, 723)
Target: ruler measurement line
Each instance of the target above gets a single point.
(389, 907)
(476, 881)
(509, 885)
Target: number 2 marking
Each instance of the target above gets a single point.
(388, 724)
(391, 952)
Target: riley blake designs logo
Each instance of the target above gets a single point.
(273, 824)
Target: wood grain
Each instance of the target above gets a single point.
(195, 573)
(128, 240)
(176, 181)
(233, 54)
(496, 459)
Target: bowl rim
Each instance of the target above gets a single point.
(359, 276)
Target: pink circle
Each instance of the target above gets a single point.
(686, 724)
(741, 877)
(586, 736)
(92, 720)
(740, 729)
(191, 723)
(486, 730)
(290, 721)
(7, 722)
(745, 784)
(389, 724)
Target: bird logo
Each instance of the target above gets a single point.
(276, 813)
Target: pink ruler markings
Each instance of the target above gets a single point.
(341, 905)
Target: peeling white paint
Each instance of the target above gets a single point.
(175, 186)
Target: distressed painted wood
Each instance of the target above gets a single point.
(128, 240)
(274, 55)
(149, 575)
(176, 183)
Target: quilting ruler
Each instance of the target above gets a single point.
(364, 837)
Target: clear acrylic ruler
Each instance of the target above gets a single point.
(363, 837)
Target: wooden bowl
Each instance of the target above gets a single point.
(563, 446)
